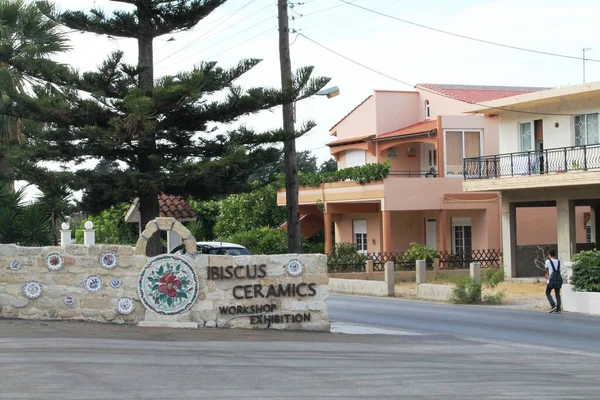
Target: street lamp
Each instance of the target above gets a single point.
(329, 92)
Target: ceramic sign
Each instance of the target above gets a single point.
(125, 305)
(93, 283)
(108, 260)
(54, 261)
(69, 300)
(294, 267)
(168, 285)
(115, 283)
(32, 289)
(15, 265)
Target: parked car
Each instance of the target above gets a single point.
(217, 248)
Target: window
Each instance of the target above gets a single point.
(356, 158)
(432, 158)
(526, 136)
(588, 233)
(427, 110)
(360, 235)
(586, 129)
(459, 145)
(461, 236)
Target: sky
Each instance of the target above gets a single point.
(248, 29)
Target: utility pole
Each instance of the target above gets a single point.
(584, 49)
(289, 145)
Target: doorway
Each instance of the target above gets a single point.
(431, 233)
(538, 131)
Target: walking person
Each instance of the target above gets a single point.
(553, 281)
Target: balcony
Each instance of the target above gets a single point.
(432, 173)
(543, 168)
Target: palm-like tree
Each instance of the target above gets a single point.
(27, 37)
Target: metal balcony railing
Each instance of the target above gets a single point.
(559, 160)
(414, 174)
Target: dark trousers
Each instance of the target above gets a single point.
(550, 299)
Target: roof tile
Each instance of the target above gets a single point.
(420, 127)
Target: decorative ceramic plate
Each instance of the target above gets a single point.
(93, 283)
(69, 300)
(54, 261)
(115, 283)
(125, 305)
(108, 260)
(168, 285)
(15, 264)
(32, 289)
(294, 267)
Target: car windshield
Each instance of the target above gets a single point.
(227, 251)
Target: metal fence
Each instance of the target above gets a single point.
(559, 160)
(488, 258)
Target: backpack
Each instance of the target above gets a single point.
(556, 280)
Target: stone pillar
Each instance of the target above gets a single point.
(89, 235)
(390, 278)
(328, 233)
(386, 225)
(65, 235)
(565, 229)
(509, 238)
(369, 264)
(475, 271)
(173, 240)
(421, 272)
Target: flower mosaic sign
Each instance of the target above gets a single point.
(168, 285)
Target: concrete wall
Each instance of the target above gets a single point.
(580, 302)
(358, 287)
(81, 261)
(399, 276)
(427, 291)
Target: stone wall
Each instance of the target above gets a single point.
(302, 305)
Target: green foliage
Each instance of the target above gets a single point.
(207, 215)
(248, 211)
(492, 277)
(345, 258)
(328, 166)
(111, 228)
(361, 175)
(495, 298)
(305, 163)
(586, 271)
(268, 241)
(418, 251)
(466, 291)
(36, 228)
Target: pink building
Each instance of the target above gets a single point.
(425, 135)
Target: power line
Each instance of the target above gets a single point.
(229, 16)
(468, 37)
(423, 88)
(245, 41)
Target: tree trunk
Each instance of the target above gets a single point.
(289, 146)
(148, 201)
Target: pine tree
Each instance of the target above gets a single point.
(157, 129)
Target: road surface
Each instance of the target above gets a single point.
(565, 331)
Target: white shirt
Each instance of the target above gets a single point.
(551, 268)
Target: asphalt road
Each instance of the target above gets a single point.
(60, 360)
(563, 331)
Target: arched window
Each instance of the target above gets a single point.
(427, 110)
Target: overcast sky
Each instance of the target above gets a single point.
(247, 28)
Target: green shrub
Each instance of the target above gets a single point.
(495, 298)
(345, 258)
(361, 175)
(418, 251)
(269, 241)
(466, 291)
(586, 271)
(110, 227)
(492, 277)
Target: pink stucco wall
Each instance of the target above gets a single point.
(360, 122)
(344, 229)
(402, 162)
(477, 122)
(440, 105)
(537, 225)
(418, 193)
(396, 110)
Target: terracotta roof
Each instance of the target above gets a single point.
(357, 139)
(346, 116)
(420, 127)
(478, 94)
(175, 206)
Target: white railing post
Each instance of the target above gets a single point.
(89, 235)
(65, 234)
